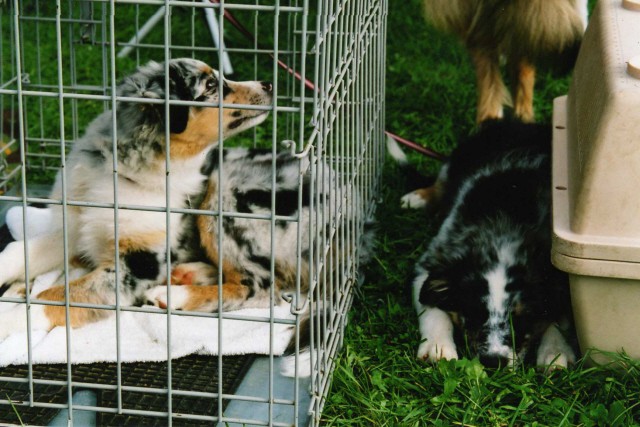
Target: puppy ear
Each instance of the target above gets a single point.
(178, 114)
(178, 90)
(150, 82)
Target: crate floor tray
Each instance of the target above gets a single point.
(192, 373)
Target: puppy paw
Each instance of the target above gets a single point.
(413, 200)
(555, 358)
(13, 290)
(193, 273)
(433, 351)
(554, 351)
(159, 297)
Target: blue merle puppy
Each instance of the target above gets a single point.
(487, 272)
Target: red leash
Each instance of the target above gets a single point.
(310, 85)
(417, 147)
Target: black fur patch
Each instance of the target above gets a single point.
(4, 287)
(226, 90)
(236, 123)
(142, 264)
(286, 200)
(178, 114)
(5, 237)
(249, 284)
(513, 194)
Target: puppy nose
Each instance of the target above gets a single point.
(493, 361)
(267, 86)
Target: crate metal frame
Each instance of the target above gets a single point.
(337, 44)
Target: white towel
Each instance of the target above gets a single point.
(143, 336)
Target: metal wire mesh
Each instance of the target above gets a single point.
(61, 62)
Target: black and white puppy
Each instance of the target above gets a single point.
(488, 269)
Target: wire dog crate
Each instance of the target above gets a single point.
(61, 62)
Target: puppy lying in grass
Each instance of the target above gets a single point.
(487, 272)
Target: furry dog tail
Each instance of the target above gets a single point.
(396, 153)
(549, 31)
(544, 31)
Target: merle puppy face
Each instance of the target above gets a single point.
(496, 297)
(192, 128)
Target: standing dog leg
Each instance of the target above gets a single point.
(492, 93)
(524, 77)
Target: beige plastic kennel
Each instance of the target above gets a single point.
(596, 182)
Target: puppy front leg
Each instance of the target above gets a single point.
(193, 273)
(436, 332)
(436, 328)
(198, 294)
(200, 298)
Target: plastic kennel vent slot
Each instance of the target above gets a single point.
(595, 171)
(61, 62)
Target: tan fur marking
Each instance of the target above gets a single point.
(141, 242)
(131, 243)
(203, 128)
(201, 132)
(230, 274)
(206, 230)
(241, 94)
(202, 297)
(78, 262)
(206, 69)
(77, 293)
(523, 92)
(431, 195)
(205, 226)
(286, 276)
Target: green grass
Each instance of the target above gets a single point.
(378, 380)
